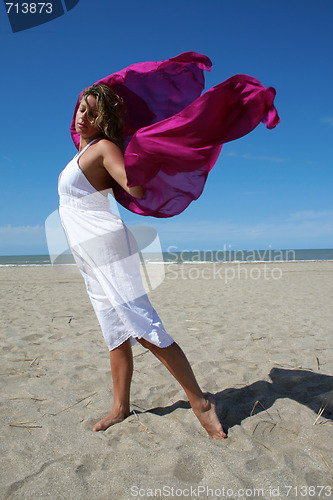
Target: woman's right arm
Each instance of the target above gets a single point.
(113, 162)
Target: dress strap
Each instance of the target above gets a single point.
(77, 156)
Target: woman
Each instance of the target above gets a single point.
(108, 259)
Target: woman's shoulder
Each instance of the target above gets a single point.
(106, 147)
(108, 153)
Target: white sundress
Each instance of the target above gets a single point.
(107, 256)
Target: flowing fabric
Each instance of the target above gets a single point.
(173, 134)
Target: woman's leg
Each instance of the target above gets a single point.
(177, 363)
(121, 360)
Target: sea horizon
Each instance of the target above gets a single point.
(188, 256)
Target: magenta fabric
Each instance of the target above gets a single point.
(173, 134)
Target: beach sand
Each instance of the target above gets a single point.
(258, 336)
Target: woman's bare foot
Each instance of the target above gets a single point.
(208, 418)
(112, 418)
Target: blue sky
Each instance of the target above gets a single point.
(272, 188)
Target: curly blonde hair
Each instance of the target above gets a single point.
(110, 112)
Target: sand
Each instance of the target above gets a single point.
(258, 336)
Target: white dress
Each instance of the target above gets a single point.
(107, 256)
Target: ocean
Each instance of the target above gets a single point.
(192, 257)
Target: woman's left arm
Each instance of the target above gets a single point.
(113, 162)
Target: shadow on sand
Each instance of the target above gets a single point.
(313, 390)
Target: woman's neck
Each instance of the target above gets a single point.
(85, 141)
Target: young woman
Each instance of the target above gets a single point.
(108, 259)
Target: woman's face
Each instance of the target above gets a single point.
(85, 116)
